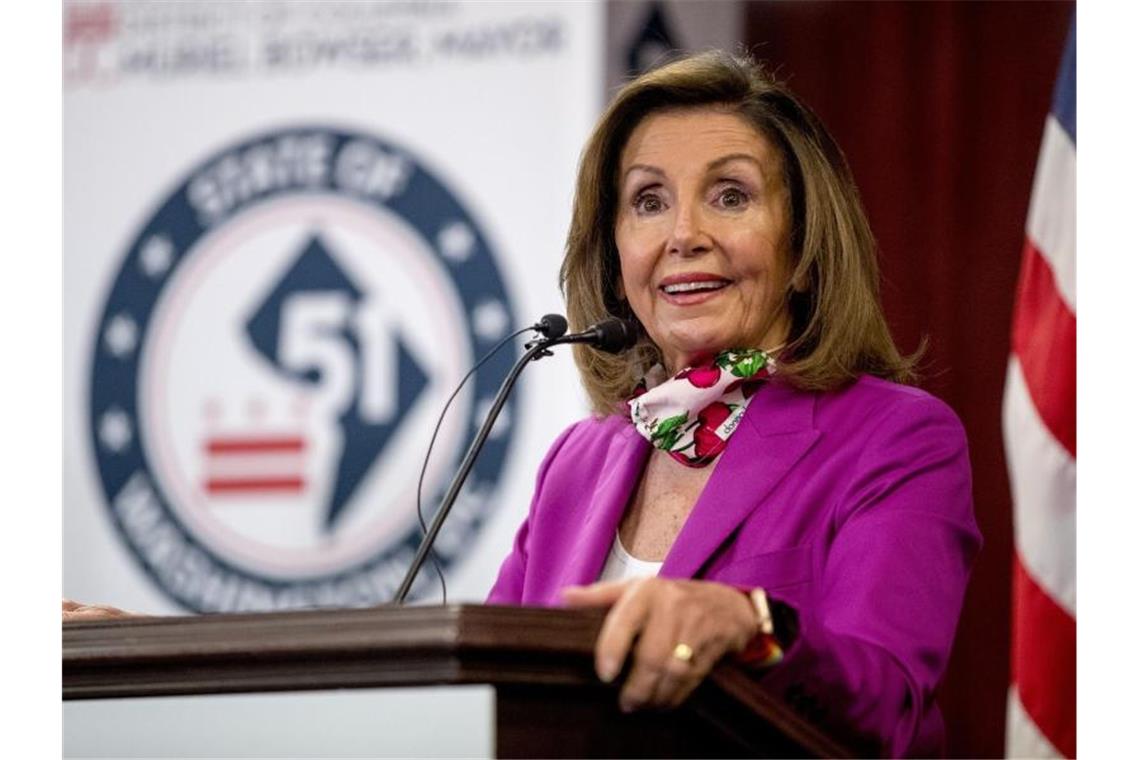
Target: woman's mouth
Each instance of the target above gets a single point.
(685, 291)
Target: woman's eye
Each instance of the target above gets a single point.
(648, 203)
(733, 198)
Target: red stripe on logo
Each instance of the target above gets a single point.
(1045, 341)
(246, 485)
(1044, 661)
(248, 445)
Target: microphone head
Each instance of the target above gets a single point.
(614, 335)
(552, 325)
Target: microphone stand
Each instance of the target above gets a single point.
(535, 350)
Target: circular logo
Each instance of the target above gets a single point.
(269, 366)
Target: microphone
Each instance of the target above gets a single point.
(551, 326)
(612, 335)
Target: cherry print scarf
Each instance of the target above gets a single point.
(692, 414)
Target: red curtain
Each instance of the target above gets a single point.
(940, 109)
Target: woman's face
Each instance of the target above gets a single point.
(702, 233)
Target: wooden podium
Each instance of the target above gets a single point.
(548, 702)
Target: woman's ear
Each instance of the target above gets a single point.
(619, 289)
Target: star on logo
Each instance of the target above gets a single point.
(115, 429)
(490, 320)
(156, 255)
(121, 335)
(456, 241)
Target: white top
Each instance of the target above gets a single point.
(621, 565)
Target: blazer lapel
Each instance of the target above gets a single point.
(776, 432)
(625, 462)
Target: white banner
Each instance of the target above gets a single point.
(290, 229)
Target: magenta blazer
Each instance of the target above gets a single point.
(853, 507)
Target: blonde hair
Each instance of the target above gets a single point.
(838, 330)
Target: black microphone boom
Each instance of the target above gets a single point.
(612, 335)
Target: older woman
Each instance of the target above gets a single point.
(757, 479)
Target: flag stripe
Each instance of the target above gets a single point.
(1052, 223)
(245, 445)
(1045, 341)
(1043, 481)
(1021, 732)
(245, 485)
(1044, 661)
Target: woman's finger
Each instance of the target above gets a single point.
(601, 594)
(623, 623)
(684, 663)
(92, 612)
(654, 667)
(674, 693)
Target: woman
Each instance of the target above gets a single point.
(757, 477)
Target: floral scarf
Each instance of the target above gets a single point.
(692, 414)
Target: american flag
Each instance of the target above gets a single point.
(1040, 425)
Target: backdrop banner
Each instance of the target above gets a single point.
(641, 34)
(290, 230)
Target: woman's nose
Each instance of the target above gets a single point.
(688, 236)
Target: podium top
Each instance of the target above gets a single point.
(381, 647)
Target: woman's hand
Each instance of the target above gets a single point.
(78, 611)
(655, 617)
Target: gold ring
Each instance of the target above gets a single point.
(683, 652)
